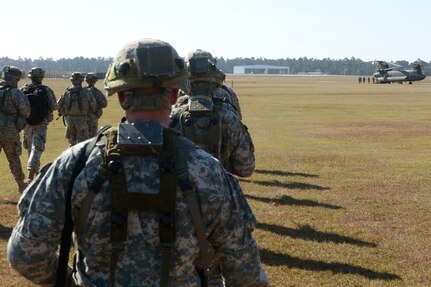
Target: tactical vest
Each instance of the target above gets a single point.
(201, 123)
(75, 102)
(171, 173)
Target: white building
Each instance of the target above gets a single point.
(261, 69)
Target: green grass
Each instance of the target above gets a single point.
(342, 185)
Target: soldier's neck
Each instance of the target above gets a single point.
(161, 116)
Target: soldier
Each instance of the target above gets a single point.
(43, 104)
(101, 102)
(75, 105)
(149, 207)
(211, 122)
(224, 92)
(14, 109)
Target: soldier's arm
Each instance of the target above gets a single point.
(91, 102)
(21, 103)
(241, 160)
(229, 222)
(235, 102)
(33, 244)
(60, 105)
(52, 100)
(102, 101)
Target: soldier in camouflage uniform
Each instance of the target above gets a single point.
(146, 75)
(14, 109)
(35, 134)
(216, 128)
(75, 105)
(101, 102)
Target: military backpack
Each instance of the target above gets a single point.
(38, 97)
(172, 173)
(75, 102)
(200, 122)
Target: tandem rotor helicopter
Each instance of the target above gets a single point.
(386, 75)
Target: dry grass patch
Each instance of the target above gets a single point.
(342, 181)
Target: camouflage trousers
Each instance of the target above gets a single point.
(93, 126)
(11, 145)
(77, 129)
(34, 141)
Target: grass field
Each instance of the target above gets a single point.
(342, 185)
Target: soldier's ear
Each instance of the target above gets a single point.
(121, 97)
(174, 96)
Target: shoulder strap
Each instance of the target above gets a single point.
(170, 170)
(66, 235)
(186, 187)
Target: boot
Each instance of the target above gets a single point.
(21, 185)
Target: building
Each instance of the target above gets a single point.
(261, 69)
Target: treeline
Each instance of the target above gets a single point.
(346, 66)
(77, 64)
(352, 66)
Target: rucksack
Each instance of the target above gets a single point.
(38, 97)
(75, 102)
(201, 124)
(169, 175)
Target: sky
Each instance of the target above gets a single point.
(367, 29)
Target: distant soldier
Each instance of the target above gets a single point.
(368, 80)
(43, 103)
(374, 80)
(75, 105)
(101, 102)
(363, 80)
(360, 80)
(14, 109)
(225, 93)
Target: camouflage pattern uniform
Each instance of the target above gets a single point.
(14, 109)
(226, 215)
(35, 135)
(77, 120)
(237, 149)
(100, 100)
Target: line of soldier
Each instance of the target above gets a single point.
(30, 109)
(362, 80)
(147, 206)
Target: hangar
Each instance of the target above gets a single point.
(261, 69)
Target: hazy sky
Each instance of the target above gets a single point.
(366, 29)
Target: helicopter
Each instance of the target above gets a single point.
(386, 75)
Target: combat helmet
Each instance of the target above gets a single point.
(11, 74)
(76, 78)
(146, 63)
(202, 66)
(36, 73)
(91, 78)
